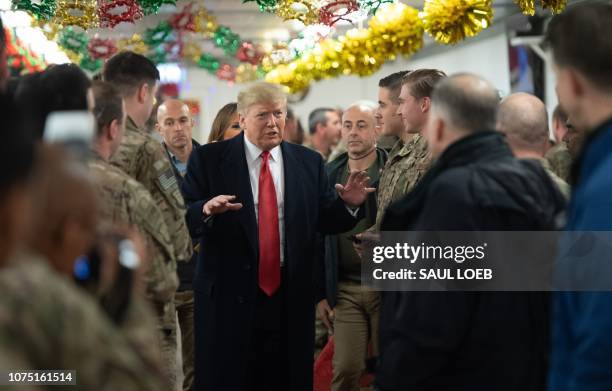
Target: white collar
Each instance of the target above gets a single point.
(253, 152)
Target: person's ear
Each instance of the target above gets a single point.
(158, 127)
(439, 129)
(113, 130)
(241, 120)
(577, 82)
(143, 92)
(425, 104)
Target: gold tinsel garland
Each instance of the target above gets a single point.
(450, 21)
(134, 43)
(309, 14)
(527, 6)
(556, 6)
(80, 13)
(395, 29)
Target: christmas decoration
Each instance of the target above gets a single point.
(99, 48)
(372, 6)
(157, 35)
(209, 62)
(184, 20)
(75, 41)
(41, 10)
(226, 72)
(338, 10)
(303, 10)
(556, 6)
(152, 6)
(451, 21)
(81, 13)
(134, 43)
(227, 40)
(264, 5)
(248, 52)
(109, 19)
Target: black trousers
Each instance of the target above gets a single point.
(268, 368)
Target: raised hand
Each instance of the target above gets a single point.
(355, 191)
(220, 204)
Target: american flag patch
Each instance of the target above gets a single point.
(167, 179)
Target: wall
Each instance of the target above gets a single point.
(485, 55)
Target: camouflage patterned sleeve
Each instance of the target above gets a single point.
(51, 324)
(161, 277)
(143, 158)
(162, 184)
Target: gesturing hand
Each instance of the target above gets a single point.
(220, 204)
(355, 191)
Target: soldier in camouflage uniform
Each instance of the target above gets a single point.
(558, 157)
(126, 202)
(404, 97)
(53, 325)
(46, 322)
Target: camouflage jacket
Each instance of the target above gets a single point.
(560, 160)
(47, 322)
(406, 165)
(562, 185)
(125, 202)
(143, 158)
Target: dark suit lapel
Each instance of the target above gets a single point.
(235, 174)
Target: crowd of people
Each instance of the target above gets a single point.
(142, 260)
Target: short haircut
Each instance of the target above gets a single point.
(524, 117)
(318, 116)
(393, 83)
(580, 38)
(423, 81)
(559, 114)
(128, 71)
(465, 105)
(221, 122)
(59, 88)
(109, 105)
(17, 149)
(260, 92)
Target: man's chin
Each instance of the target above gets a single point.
(269, 143)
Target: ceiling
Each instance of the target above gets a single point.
(253, 25)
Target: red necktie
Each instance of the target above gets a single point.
(269, 240)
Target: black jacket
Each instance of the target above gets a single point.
(185, 270)
(470, 340)
(335, 169)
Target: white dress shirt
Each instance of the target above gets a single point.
(275, 161)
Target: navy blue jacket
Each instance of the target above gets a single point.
(582, 322)
(226, 279)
